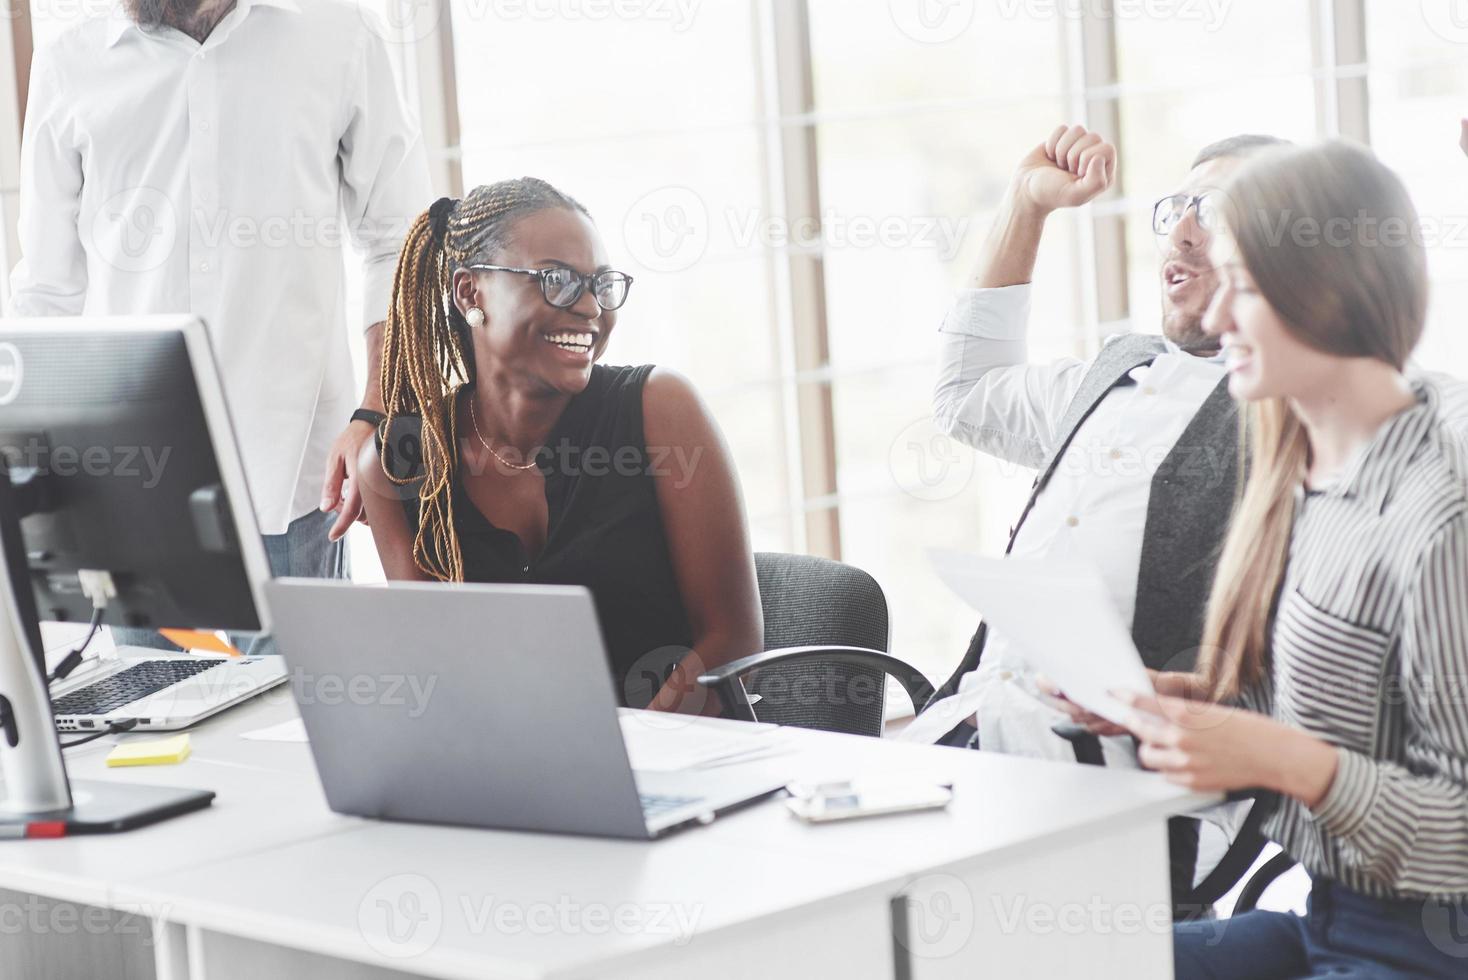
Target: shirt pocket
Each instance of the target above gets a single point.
(1328, 673)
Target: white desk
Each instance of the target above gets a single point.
(1036, 869)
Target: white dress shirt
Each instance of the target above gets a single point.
(1094, 506)
(161, 175)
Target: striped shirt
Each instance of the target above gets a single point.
(1370, 653)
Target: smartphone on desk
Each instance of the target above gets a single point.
(869, 797)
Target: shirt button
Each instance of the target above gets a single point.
(525, 569)
(204, 127)
(1072, 521)
(1005, 675)
(203, 266)
(1148, 390)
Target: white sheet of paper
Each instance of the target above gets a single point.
(659, 742)
(1060, 615)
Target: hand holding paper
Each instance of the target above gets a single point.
(1061, 616)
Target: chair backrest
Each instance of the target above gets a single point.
(809, 601)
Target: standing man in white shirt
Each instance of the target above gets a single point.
(212, 157)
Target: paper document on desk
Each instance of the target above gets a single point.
(1060, 615)
(659, 742)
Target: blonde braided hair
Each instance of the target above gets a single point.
(428, 346)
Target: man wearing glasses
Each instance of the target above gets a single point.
(1136, 448)
(214, 157)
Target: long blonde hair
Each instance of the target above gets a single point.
(428, 347)
(1331, 239)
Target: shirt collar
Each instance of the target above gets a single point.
(1175, 349)
(119, 21)
(1372, 474)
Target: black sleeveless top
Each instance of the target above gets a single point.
(605, 531)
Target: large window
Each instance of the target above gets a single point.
(800, 185)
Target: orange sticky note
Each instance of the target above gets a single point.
(200, 640)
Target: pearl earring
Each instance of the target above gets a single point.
(475, 316)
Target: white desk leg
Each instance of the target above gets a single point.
(170, 950)
(1095, 910)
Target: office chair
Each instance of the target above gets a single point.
(825, 663)
(1244, 850)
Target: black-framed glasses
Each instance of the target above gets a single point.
(562, 287)
(1167, 212)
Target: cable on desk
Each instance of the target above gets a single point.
(114, 728)
(73, 659)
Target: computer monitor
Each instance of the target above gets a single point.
(121, 479)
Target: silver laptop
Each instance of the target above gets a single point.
(158, 692)
(480, 705)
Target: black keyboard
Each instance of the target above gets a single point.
(655, 805)
(127, 686)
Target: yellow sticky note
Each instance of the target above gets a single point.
(153, 752)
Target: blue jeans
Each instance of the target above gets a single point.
(1344, 934)
(303, 551)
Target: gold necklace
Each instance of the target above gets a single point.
(473, 417)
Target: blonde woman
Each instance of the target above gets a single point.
(1337, 631)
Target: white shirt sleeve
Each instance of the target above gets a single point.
(988, 395)
(51, 277)
(384, 170)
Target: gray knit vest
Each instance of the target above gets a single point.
(1191, 499)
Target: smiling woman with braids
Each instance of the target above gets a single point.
(510, 455)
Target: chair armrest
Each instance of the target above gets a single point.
(1245, 849)
(726, 679)
(1083, 741)
(1254, 888)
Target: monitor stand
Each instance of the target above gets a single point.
(39, 800)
